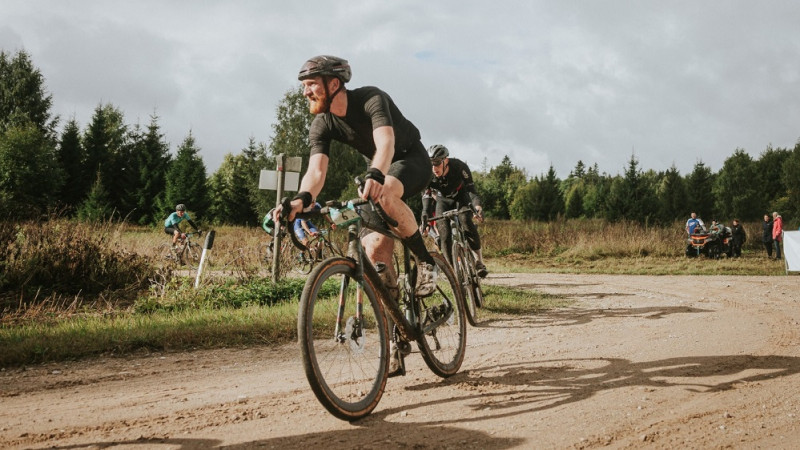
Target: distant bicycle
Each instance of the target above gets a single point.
(294, 256)
(184, 252)
(289, 256)
(318, 248)
(464, 263)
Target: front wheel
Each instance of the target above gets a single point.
(192, 254)
(343, 340)
(442, 320)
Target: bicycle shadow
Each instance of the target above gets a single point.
(394, 435)
(572, 317)
(527, 387)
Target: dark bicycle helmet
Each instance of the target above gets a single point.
(325, 65)
(180, 207)
(438, 153)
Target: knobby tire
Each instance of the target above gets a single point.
(461, 264)
(443, 347)
(347, 375)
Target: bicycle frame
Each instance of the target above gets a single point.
(373, 219)
(182, 245)
(463, 260)
(456, 228)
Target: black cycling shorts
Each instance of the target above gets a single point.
(414, 170)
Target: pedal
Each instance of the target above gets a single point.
(404, 347)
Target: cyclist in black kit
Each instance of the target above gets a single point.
(451, 188)
(367, 119)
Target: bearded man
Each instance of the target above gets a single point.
(367, 120)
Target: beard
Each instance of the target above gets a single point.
(318, 105)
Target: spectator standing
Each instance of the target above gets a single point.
(738, 238)
(716, 227)
(766, 236)
(777, 233)
(693, 223)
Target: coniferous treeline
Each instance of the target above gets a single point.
(110, 169)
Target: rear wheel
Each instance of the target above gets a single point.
(305, 261)
(461, 265)
(443, 322)
(346, 361)
(288, 256)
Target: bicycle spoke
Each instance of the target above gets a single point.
(344, 342)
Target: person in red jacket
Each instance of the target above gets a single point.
(777, 233)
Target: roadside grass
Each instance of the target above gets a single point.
(749, 263)
(70, 290)
(87, 336)
(504, 300)
(257, 313)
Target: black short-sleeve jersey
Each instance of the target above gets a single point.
(457, 180)
(368, 108)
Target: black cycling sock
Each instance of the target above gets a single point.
(417, 247)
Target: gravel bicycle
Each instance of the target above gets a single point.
(185, 251)
(289, 254)
(346, 313)
(463, 261)
(319, 248)
(298, 257)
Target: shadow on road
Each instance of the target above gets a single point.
(573, 316)
(526, 387)
(398, 435)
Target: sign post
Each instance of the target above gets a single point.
(285, 178)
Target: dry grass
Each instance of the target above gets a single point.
(69, 290)
(60, 266)
(595, 246)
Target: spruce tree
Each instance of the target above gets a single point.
(23, 97)
(71, 158)
(699, 190)
(186, 181)
(152, 162)
(770, 166)
(97, 206)
(736, 189)
(631, 197)
(30, 177)
(573, 207)
(108, 151)
(230, 196)
(672, 197)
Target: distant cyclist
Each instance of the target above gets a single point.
(451, 188)
(304, 228)
(172, 224)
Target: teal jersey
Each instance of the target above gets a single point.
(175, 219)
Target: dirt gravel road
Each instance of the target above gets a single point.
(637, 361)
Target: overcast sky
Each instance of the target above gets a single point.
(544, 82)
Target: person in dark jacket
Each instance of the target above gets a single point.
(452, 187)
(738, 237)
(766, 237)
